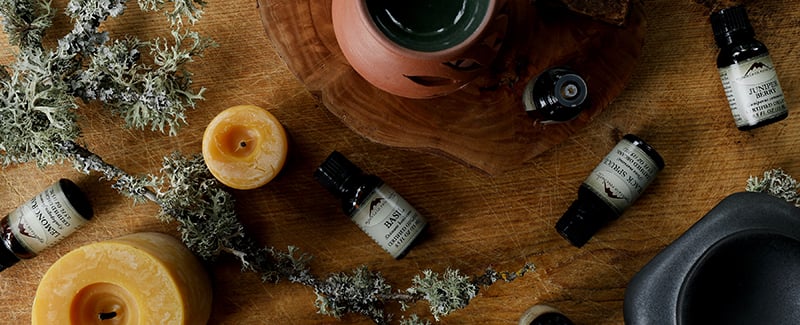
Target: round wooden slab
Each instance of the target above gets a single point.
(483, 125)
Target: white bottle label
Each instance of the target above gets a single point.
(753, 91)
(623, 175)
(44, 220)
(389, 219)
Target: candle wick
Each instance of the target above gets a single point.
(107, 316)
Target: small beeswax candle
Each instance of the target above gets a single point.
(143, 278)
(245, 147)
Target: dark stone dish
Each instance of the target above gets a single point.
(740, 264)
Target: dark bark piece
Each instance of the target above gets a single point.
(718, 4)
(611, 11)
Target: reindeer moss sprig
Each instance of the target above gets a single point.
(192, 10)
(155, 96)
(452, 290)
(414, 320)
(357, 292)
(777, 183)
(36, 112)
(26, 21)
(39, 91)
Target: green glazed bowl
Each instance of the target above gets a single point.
(419, 49)
(428, 26)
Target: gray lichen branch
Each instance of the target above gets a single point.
(777, 183)
(138, 188)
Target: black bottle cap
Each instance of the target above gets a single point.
(77, 198)
(544, 315)
(334, 172)
(552, 319)
(7, 258)
(729, 23)
(556, 95)
(581, 221)
(570, 90)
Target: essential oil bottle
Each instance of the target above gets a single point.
(611, 188)
(556, 95)
(371, 204)
(43, 221)
(746, 70)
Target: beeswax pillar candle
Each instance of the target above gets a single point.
(245, 147)
(142, 278)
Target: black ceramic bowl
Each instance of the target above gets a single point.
(740, 264)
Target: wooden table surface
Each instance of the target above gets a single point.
(674, 101)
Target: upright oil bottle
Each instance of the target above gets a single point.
(747, 71)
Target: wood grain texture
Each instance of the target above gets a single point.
(674, 101)
(483, 125)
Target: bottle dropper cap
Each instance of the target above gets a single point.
(7, 258)
(335, 171)
(582, 220)
(556, 95)
(730, 22)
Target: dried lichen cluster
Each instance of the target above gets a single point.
(777, 183)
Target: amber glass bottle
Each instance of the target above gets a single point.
(371, 204)
(43, 221)
(556, 95)
(747, 72)
(610, 189)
